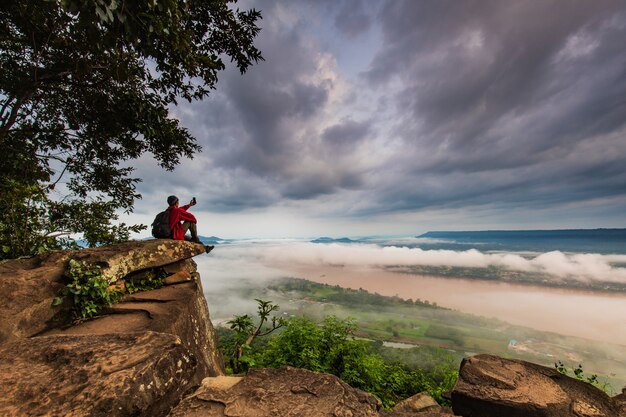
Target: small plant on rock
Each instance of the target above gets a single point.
(579, 374)
(147, 281)
(88, 290)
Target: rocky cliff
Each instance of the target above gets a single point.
(155, 354)
(139, 357)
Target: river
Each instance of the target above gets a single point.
(586, 314)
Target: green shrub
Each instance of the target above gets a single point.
(88, 290)
(579, 374)
(331, 348)
(145, 281)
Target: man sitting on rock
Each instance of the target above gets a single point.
(180, 214)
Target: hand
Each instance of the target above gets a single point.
(192, 202)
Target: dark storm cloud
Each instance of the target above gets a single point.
(320, 183)
(271, 103)
(538, 186)
(466, 65)
(346, 133)
(260, 133)
(464, 104)
(504, 101)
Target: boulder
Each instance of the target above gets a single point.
(30, 285)
(133, 374)
(179, 309)
(121, 259)
(137, 358)
(419, 405)
(620, 401)
(440, 412)
(178, 277)
(418, 402)
(185, 265)
(285, 392)
(490, 386)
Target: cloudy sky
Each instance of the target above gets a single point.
(399, 117)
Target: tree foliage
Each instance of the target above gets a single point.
(246, 332)
(85, 87)
(331, 347)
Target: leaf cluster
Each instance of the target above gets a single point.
(24, 221)
(146, 281)
(85, 88)
(32, 223)
(330, 347)
(579, 374)
(88, 290)
(245, 332)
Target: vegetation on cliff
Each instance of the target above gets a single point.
(88, 292)
(85, 88)
(579, 373)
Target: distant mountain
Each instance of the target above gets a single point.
(331, 240)
(212, 240)
(530, 234)
(566, 240)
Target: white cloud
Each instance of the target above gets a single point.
(574, 266)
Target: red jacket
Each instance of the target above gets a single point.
(178, 214)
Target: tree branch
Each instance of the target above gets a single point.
(13, 114)
(271, 330)
(4, 108)
(53, 184)
(56, 234)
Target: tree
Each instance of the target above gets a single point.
(246, 332)
(85, 87)
(332, 348)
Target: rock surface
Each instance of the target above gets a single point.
(137, 358)
(178, 309)
(620, 401)
(140, 374)
(285, 392)
(119, 260)
(440, 412)
(490, 386)
(30, 285)
(418, 402)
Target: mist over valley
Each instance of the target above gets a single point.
(562, 300)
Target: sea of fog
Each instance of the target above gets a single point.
(372, 264)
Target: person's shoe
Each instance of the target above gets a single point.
(209, 248)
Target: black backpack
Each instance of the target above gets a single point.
(161, 225)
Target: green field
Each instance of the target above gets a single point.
(417, 325)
